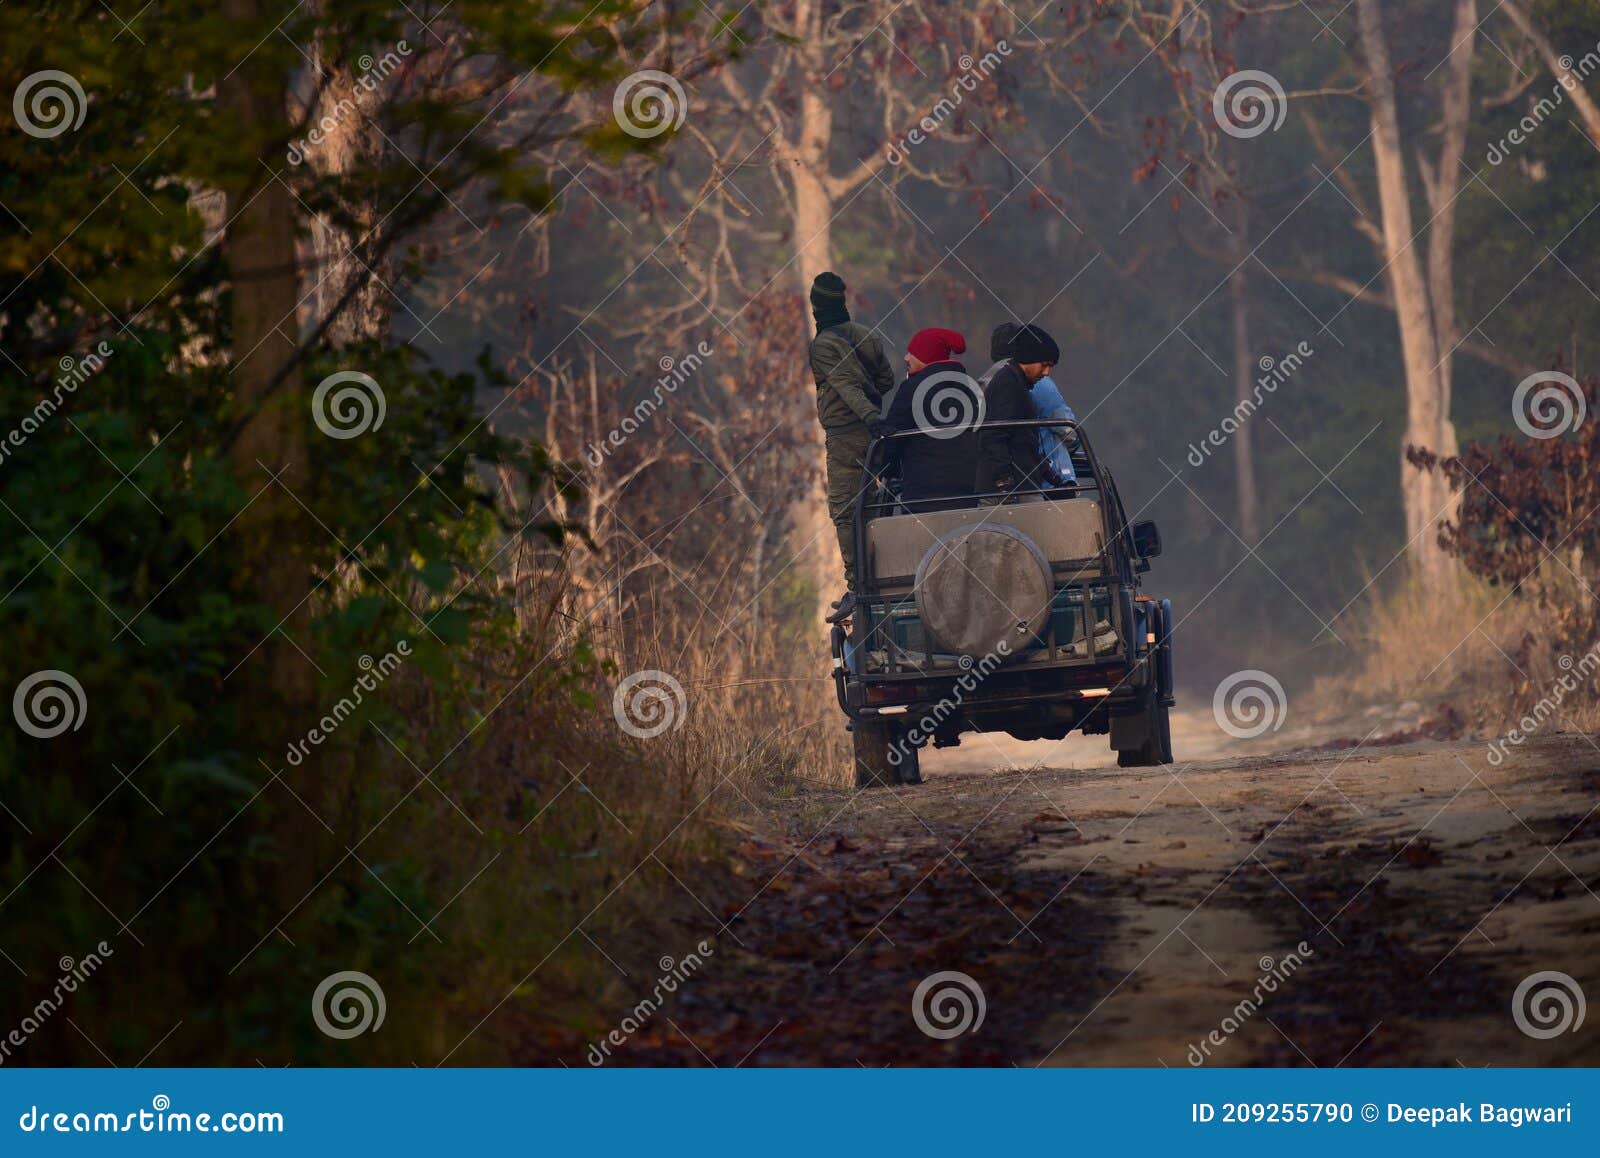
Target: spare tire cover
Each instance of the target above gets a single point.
(983, 586)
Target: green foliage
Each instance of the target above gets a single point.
(156, 822)
(1529, 213)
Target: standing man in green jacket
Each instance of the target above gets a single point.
(853, 376)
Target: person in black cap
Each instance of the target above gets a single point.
(1055, 442)
(999, 349)
(1010, 459)
(853, 375)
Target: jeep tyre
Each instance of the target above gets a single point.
(873, 743)
(1157, 748)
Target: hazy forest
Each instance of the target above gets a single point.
(439, 372)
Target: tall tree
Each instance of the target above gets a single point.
(345, 113)
(1247, 502)
(269, 454)
(1424, 302)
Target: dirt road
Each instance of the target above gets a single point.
(1376, 905)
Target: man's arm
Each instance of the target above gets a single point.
(883, 369)
(900, 417)
(841, 371)
(1055, 441)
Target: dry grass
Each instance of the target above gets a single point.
(1414, 641)
(1482, 650)
(578, 855)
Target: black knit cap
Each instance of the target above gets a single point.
(827, 290)
(1031, 344)
(1000, 340)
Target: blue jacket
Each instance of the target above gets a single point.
(1048, 403)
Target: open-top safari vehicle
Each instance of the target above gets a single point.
(1019, 617)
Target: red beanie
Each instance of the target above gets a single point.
(936, 345)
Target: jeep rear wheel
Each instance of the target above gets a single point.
(881, 757)
(1157, 747)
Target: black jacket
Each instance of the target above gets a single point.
(1010, 458)
(930, 467)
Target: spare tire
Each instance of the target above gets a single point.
(984, 590)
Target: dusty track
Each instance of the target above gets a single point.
(1117, 917)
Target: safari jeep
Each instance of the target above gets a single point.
(1024, 618)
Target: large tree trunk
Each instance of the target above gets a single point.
(268, 535)
(816, 546)
(1442, 183)
(816, 550)
(1426, 495)
(1244, 380)
(354, 143)
(813, 202)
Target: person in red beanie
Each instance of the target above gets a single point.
(941, 403)
(931, 347)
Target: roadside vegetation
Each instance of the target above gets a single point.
(290, 623)
(1516, 628)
